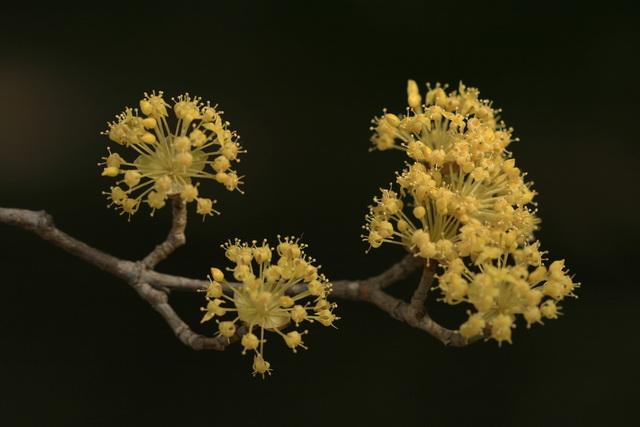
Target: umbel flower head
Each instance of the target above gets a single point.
(462, 202)
(166, 160)
(499, 291)
(263, 302)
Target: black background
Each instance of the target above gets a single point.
(300, 83)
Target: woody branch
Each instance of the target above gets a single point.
(154, 287)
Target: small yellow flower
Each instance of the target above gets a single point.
(168, 158)
(261, 302)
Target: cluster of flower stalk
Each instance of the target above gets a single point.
(462, 202)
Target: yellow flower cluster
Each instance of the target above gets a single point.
(200, 146)
(262, 301)
(463, 203)
(499, 291)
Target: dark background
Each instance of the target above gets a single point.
(300, 83)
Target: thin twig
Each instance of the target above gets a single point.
(399, 271)
(403, 311)
(174, 240)
(372, 290)
(420, 295)
(41, 223)
(159, 301)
